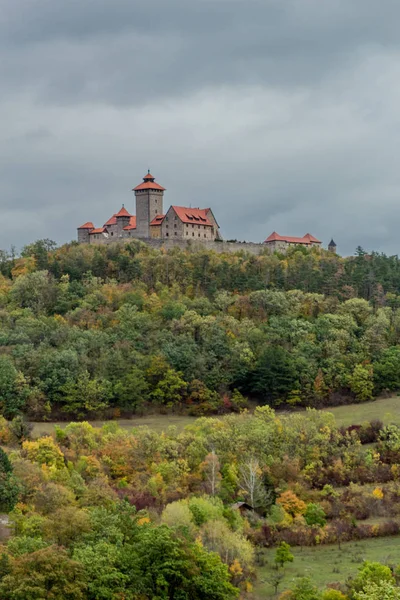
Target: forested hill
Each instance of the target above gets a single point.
(87, 330)
(370, 276)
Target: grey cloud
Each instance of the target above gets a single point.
(281, 115)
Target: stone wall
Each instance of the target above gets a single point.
(219, 247)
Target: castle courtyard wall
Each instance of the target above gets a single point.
(194, 245)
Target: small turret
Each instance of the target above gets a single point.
(84, 232)
(332, 246)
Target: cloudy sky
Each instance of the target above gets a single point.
(280, 114)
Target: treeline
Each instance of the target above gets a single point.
(89, 330)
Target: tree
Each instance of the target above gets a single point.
(333, 595)
(47, 573)
(9, 487)
(315, 515)
(37, 291)
(211, 472)
(283, 554)
(132, 389)
(371, 573)
(305, 590)
(40, 250)
(161, 565)
(251, 482)
(275, 374)
(291, 503)
(43, 451)
(361, 382)
(13, 389)
(382, 591)
(86, 395)
(20, 429)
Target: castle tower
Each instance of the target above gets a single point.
(84, 231)
(123, 218)
(332, 246)
(149, 203)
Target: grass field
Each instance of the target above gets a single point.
(156, 422)
(326, 564)
(385, 409)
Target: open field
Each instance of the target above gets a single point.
(326, 564)
(156, 422)
(385, 409)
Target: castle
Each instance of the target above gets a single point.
(150, 221)
(179, 225)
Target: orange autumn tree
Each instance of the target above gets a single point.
(291, 503)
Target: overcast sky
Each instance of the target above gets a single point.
(279, 114)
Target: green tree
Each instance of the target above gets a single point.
(305, 590)
(168, 566)
(86, 395)
(275, 374)
(283, 554)
(13, 389)
(132, 389)
(371, 573)
(361, 382)
(315, 515)
(381, 591)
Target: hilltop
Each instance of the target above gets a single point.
(94, 331)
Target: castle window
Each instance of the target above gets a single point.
(205, 235)
(199, 235)
(192, 226)
(187, 233)
(176, 217)
(167, 234)
(198, 226)
(112, 233)
(193, 234)
(175, 225)
(176, 233)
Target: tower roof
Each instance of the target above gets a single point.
(332, 243)
(88, 225)
(149, 183)
(122, 212)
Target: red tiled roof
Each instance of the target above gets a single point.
(122, 213)
(158, 219)
(312, 238)
(196, 216)
(111, 221)
(148, 184)
(99, 230)
(307, 239)
(132, 224)
(88, 225)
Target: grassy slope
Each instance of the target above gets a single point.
(326, 564)
(156, 422)
(385, 409)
